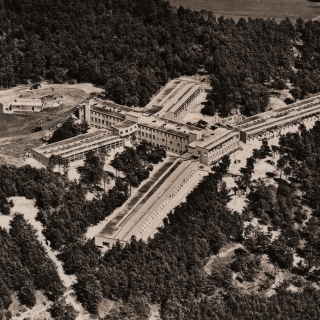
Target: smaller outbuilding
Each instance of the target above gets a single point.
(26, 105)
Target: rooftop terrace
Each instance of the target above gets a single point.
(168, 126)
(81, 139)
(124, 124)
(210, 138)
(278, 120)
(308, 103)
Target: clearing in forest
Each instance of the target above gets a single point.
(15, 128)
(256, 9)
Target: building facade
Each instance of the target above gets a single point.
(75, 148)
(26, 105)
(137, 220)
(273, 121)
(175, 137)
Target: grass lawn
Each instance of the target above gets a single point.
(278, 9)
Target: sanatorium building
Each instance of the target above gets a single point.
(157, 123)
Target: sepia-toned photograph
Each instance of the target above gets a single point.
(159, 160)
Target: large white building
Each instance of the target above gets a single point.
(148, 124)
(115, 123)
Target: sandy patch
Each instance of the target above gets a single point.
(264, 228)
(34, 163)
(4, 221)
(237, 204)
(155, 312)
(38, 312)
(224, 252)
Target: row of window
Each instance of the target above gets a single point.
(168, 148)
(142, 128)
(154, 137)
(170, 142)
(105, 116)
(127, 130)
(161, 133)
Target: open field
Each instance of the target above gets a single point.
(15, 128)
(278, 9)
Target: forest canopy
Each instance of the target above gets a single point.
(132, 48)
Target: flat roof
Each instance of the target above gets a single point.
(274, 112)
(76, 139)
(153, 109)
(163, 94)
(209, 138)
(169, 126)
(27, 100)
(124, 124)
(279, 119)
(109, 112)
(184, 98)
(27, 103)
(173, 90)
(131, 227)
(82, 146)
(105, 103)
(177, 95)
(124, 226)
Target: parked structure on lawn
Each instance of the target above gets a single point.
(75, 148)
(274, 120)
(26, 105)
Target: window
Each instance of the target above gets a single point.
(150, 135)
(162, 140)
(170, 142)
(142, 133)
(121, 132)
(153, 136)
(126, 131)
(95, 119)
(91, 118)
(178, 144)
(106, 244)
